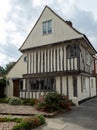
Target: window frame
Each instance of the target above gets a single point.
(47, 27)
(92, 84)
(83, 84)
(43, 84)
(73, 51)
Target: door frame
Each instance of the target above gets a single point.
(16, 87)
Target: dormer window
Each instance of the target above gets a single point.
(47, 27)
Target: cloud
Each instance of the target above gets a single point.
(17, 18)
(15, 26)
(8, 53)
(41, 3)
(85, 22)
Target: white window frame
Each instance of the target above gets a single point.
(92, 84)
(83, 84)
(47, 27)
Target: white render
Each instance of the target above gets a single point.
(16, 72)
(19, 69)
(59, 28)
(61, 61)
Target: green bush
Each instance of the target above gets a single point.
(2, 87)
(34, 121)
(28, 101)
(42, 119)
(30, 122)
(54, 102)
(15, 101)
(7, 119)
(23, 125)
(4, 100)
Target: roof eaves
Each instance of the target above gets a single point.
(89, 43)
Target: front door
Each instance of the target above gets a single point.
(74, 86)
(16, 88)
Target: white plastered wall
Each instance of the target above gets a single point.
(17, 71)
(58, 84)
(93, 86)
(64, 85)
(85, 94)
(70, 87)
(90, 88)
(60, 31)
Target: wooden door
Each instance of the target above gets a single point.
(16, 88)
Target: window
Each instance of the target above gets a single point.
(47, 27)
(25, 58)
(21, 84)
(87, 58)
(46, 84)
(92, 85)
(83, 84)
(73, 51)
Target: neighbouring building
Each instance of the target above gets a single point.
(55, 57)
(95, 69)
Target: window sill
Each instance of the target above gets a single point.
(47, 34)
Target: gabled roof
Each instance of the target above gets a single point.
(69, 32)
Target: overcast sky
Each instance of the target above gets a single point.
(17, 18)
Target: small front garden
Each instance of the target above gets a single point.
(26, 123)
(51, 103)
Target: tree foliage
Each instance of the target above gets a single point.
(2, 87)
(7, 68)
(2, 70)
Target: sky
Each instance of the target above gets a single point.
(17, 18)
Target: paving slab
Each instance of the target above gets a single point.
(55, 125)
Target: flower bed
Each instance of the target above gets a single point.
(22, 123)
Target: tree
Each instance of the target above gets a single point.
(2, 71)
(9, 66)
(2, 87)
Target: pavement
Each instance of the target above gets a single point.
(83, 117)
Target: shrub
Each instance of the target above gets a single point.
(7, 119)
(42, 119)
(2, 87)
(22, 126)
(54, 102)
(28, 101)
(34, 121)
(4, 100)
(3, 119)
(26, 123)
(15, 101)
(30, 122)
